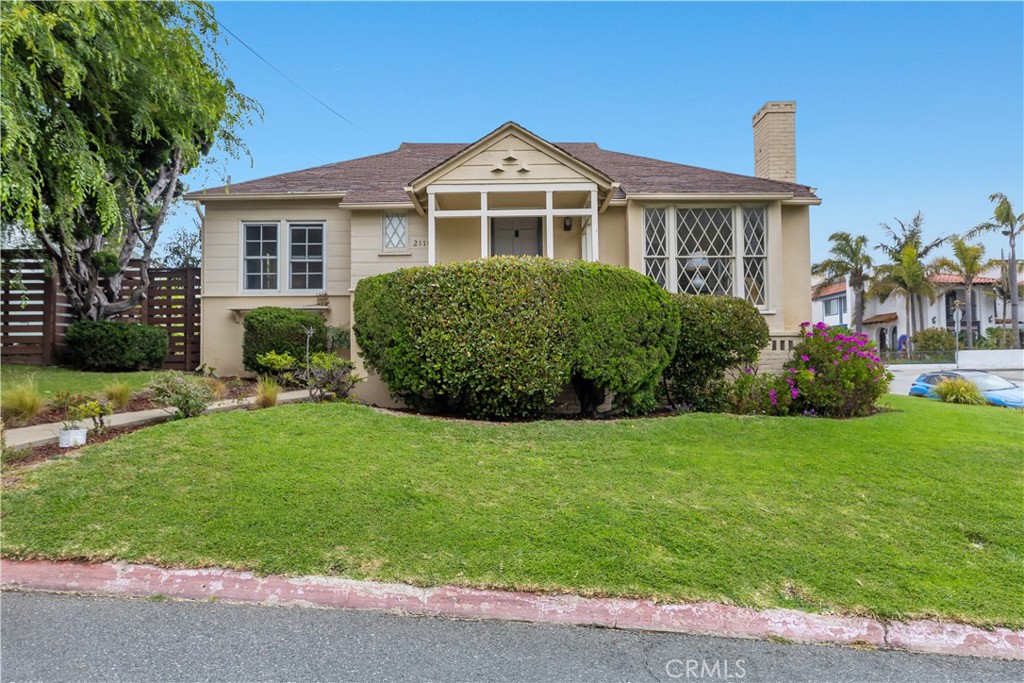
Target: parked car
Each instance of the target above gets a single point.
(996, 390)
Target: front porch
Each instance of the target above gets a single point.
(557, 220)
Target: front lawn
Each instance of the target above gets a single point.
(915, 512)
(50, 379)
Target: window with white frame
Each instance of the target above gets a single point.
(834, 306)
(260, 257)
(306, 256)
(700, 250)
(396, 232)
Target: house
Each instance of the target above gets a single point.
(304, 239)
(885, 322)
(832, 305)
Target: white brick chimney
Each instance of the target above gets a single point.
(775, 141)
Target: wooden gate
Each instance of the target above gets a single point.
(35, 314)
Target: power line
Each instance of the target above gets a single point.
(281, 73)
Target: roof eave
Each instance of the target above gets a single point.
(204, 197)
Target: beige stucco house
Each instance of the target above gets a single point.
(304, 239)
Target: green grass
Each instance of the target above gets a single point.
(53, 379)
(915, 512)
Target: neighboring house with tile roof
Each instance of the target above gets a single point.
(832, 305)
(284, 239)
(885, 321)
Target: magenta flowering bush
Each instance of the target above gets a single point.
(832, 373)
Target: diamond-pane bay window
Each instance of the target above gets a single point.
(755, 260)
(708, 250)
(704, 251)
(656, 245)
(396, 232)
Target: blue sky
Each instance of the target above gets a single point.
(900, 107)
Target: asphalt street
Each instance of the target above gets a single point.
(45, 637)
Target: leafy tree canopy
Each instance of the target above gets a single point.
(105, 105)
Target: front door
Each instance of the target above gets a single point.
(515, 236)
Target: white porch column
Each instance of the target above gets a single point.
(595, 252)
(431, 245)
(485, 248)
(549, 226)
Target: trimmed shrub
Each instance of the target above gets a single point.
(716, 334)
(934, 341)
(959, 390)
(830, 375)
(501, 337)
(111, 346)
(189, 394)
(486, 338)
(281, 330)
(622, 334)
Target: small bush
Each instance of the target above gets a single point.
(97, 411)
(716, 333)
(830, 375)
(329, 377)
(999, 338)
(119, 394)
(934, 341)
(63, 400)
(267, 390)
(218, 387)
(281, 330)
(189, 394)
(22, 401)
(959, 390)
(281, 366)
(110, 346)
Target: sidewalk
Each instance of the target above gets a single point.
(37, 435)
(702, 618)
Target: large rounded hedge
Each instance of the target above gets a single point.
(111, 346)
(501, 337)
(716, 333)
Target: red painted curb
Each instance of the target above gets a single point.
(705, 618)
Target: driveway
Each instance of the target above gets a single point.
(905, 374)
(46, 637)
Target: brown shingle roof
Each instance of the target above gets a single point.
(382, 177)
(881, 318)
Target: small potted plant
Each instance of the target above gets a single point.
(71, 432)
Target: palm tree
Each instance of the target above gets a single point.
(1002, 286)
(909, 234)
(1011, 225)
(968, 262)
(849, 261)
(907, 277)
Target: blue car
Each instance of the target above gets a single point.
(996, 390)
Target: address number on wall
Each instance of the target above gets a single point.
(419, 243)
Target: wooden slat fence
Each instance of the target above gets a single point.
(35, 314)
